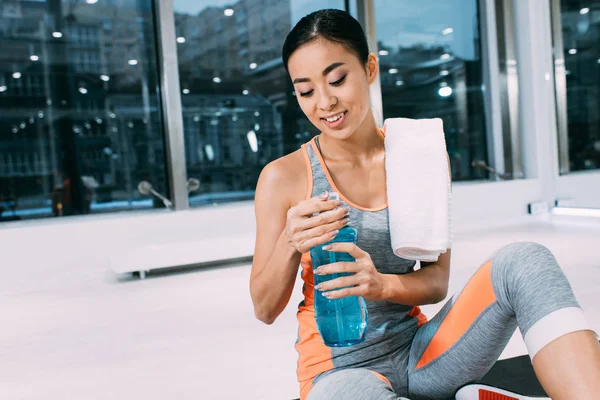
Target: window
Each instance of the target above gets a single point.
(430, 67)
(50, 80)
(578, 84)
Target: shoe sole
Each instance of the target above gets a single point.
(484, 392)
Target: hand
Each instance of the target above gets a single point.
(365, 281)
(305, 231)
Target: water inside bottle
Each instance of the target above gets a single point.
(341, 322)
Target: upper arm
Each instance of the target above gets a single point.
(276, 192)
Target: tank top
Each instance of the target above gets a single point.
(388, 322)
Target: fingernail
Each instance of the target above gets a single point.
(347, 211)
(328, 247)
(324, 194)
(318, 272)
(318, 287)
(338, 203)
(346, 221)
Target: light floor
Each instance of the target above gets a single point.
(88, 334)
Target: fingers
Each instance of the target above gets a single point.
(326, 217)
(307, 208)
(346, 292)
(315, 221)
(322, 224)
(310, 242)
(318, 204)
(338, 267)
(345, 247)
(305, 239)
(341, 282)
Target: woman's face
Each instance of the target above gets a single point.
(332, 86)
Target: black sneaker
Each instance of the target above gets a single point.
(510, 379)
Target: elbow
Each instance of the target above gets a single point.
(265, 317)
(440, 294)
(261, 311)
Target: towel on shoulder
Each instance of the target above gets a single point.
(418, 188)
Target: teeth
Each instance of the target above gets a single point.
(333, 119)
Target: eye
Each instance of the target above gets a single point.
(339, 81)
(306, 93)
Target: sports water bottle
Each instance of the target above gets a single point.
(341, 322)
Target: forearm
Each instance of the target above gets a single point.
(271, 288)
(428, 285)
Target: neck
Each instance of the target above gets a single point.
(359, 149)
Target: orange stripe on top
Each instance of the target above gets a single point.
(314, 357)
(475, 298)
(416, 312)
(333, 185)
(309, 169)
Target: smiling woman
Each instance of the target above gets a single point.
(327, 57)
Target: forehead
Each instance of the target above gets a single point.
(312, 58)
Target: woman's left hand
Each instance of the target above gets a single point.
(366, 281)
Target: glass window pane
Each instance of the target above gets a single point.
(78, 89)
(581, 42)
(239, 112)
(430, 65)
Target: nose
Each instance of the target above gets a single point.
(326, 101)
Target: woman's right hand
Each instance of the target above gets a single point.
(305, 231)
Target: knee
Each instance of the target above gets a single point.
(523, 248)
(522, 268)
(523, 258)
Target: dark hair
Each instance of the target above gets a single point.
(334, 25)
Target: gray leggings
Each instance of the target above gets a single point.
(522, 285)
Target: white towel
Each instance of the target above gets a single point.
(418, 188)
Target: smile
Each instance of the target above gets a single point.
(335, 117)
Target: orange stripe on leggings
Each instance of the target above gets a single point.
(475, 298)
(383, 378)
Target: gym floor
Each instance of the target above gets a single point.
(87, 334)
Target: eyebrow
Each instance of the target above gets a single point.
(325, 72)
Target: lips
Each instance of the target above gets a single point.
(336, 120)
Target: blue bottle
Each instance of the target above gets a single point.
(341, 322)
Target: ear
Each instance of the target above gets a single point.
(372, 68)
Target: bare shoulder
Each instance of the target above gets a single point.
(285, 178)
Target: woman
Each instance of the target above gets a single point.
(327, 58)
